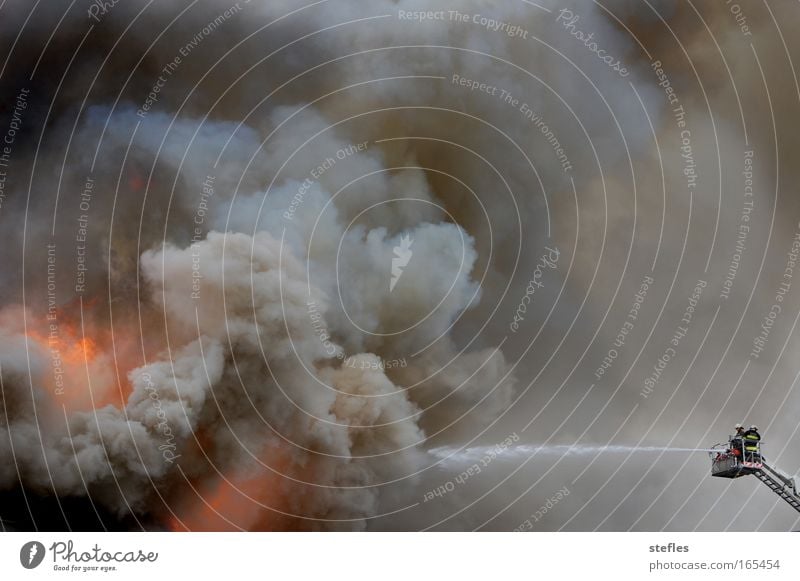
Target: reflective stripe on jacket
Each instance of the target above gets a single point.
(751, 440)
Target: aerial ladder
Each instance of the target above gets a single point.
(732, 460)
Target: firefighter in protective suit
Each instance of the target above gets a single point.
(751, 440)
(737, 442)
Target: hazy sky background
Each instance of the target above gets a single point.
(201, 204)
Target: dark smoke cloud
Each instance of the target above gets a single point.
(238, 230)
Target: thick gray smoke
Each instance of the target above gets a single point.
(276, 266)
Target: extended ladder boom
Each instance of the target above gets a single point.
(781, 484)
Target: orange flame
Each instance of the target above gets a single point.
(80, 374)
(240, 503)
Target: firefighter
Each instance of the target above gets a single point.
(751, 440)
(737, 442)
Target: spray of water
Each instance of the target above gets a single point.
(473, 454)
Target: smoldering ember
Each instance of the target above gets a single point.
(396, 266)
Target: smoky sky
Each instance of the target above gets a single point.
(339, 265)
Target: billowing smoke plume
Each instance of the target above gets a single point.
(262, 257)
